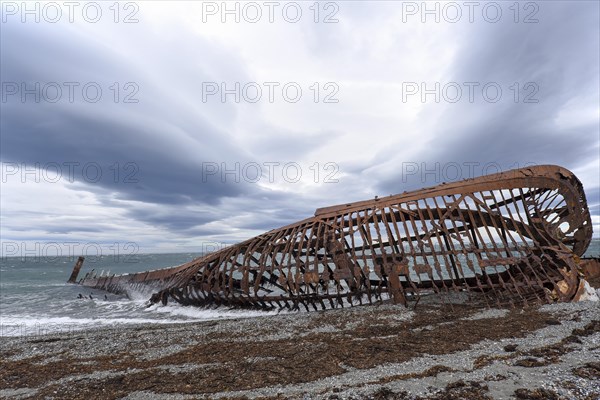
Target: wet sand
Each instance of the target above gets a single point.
(380, 352)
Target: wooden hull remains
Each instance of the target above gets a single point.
(512, 238)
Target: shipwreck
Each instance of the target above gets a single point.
(511, 238)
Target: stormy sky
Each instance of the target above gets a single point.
(180, 125)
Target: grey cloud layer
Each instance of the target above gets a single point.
(170, 132)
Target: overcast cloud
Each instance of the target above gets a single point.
(143, 163)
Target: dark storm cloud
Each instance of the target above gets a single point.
(160, 154)
(559, 55)
(175, 219)
(64, 230)
(111, 155)
(155, 151)
(161, 145)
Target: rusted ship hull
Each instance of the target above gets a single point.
(513, 238)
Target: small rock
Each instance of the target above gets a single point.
(552, 321)
(530, 362)
(510, 347)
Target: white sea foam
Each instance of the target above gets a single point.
(202, 314)
(113, 312)
(33, 326)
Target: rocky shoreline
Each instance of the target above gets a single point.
(438, 351)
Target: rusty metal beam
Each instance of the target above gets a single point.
(513, 238)
(76, 268)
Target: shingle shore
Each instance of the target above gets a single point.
(381, 352)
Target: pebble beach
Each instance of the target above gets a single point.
(437, 351)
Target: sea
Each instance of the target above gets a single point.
(36, 300)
